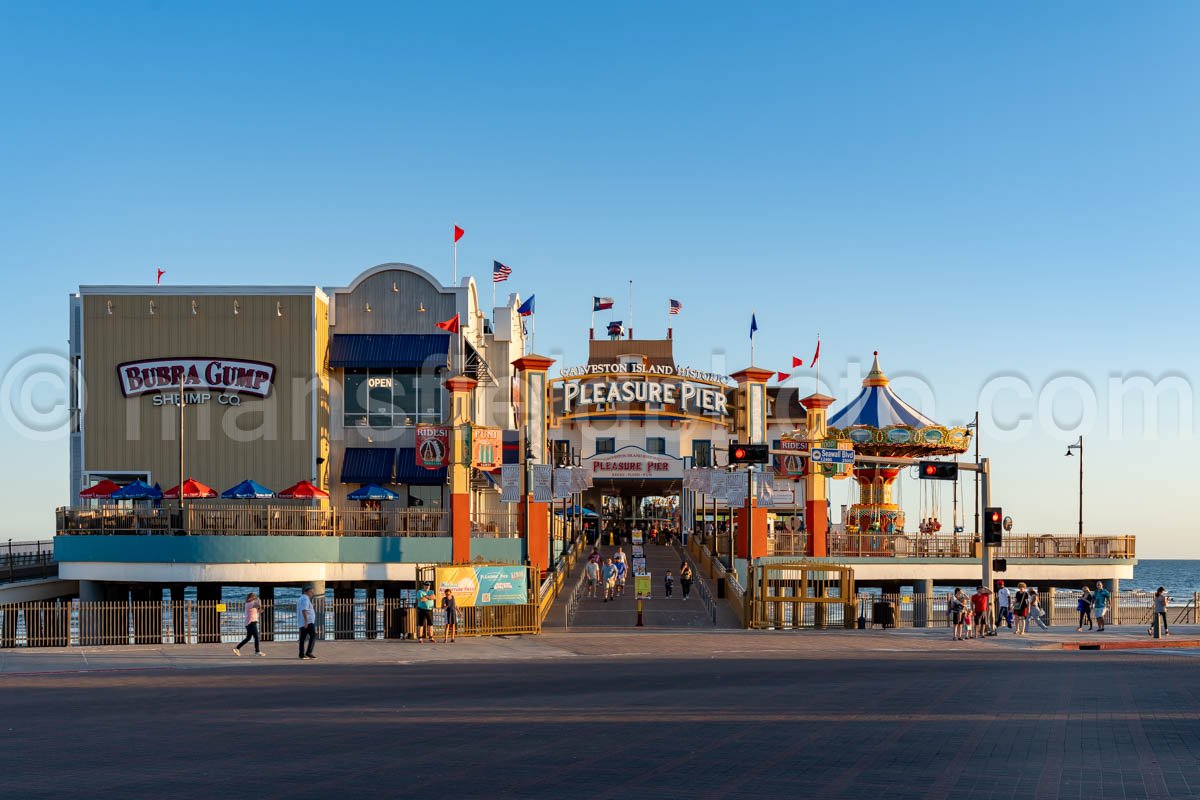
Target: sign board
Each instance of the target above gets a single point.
(510, 483)
(433, 446)
(638, 537)
(542, 476)
(637, 549)
(823, 455)
(638, 564)
(484, 585)
(224, 375)
(634, 462)
(562, 483)
(641, 584)
(487, 447)
(220, 607)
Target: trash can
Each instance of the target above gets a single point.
(721, 588)
(884, 613)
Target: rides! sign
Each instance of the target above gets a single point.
(224, 375)
(433, 446)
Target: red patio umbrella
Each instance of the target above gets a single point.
(302, 490)
(192, 490)
(103, 489)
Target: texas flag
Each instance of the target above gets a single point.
(450, 325)
(526, 308)
(601, 303)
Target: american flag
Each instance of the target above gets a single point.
(500, 272)
(676, 307)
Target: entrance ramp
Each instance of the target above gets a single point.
(659, 611)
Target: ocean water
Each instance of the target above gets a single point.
(1181, 577)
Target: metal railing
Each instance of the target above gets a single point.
(868, 544)
(251, 520)
(497, 524)
(74, 623)
(22, 560)
(786, 543)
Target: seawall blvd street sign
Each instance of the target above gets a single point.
(827, 456)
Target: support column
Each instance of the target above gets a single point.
(392, 613)
(343, 612)
(531, 421)
(923, 603)
(1114, 588)
(816, 498)
(371, 611)
(1048, 606)
(319, 604)
(178, 617)
(91, 594)
(460, 388)
(751, 427)
(146, 606)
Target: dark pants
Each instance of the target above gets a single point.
(668, 589)
(686, 586)
(1003, 617)
(1163, 616)
(309, 632)
(251, 633)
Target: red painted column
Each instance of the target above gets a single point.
(531, 421)
(816, 499)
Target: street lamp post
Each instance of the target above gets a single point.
(1079, 446)
(975, 426)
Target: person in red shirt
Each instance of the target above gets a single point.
(979, 611)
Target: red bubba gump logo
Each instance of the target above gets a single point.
(226, 375)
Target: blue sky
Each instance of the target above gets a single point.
(974, 191)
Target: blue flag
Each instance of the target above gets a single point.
(526, 308)
(753, 325)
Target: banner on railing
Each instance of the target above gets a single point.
(562, 483)
(765, 490)
(543, 483)
(484, 586)
(510, 483)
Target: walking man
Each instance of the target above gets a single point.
(979, 612)
(609, 574)
(306, 618)
(1100, 604)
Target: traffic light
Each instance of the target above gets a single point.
(748, 454)
(938, 470)
(993, 526)
(999, 565)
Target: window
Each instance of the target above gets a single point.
(656, 445)
(702, 453)
(427, 497)
(383, 398)
(607, 445)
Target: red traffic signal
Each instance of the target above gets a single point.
(749, 453)
(938, 471)
(993, 526)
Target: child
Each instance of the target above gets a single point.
(668, 582)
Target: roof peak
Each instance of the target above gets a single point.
(876, 377)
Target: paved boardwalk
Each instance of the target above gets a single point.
(638, 713)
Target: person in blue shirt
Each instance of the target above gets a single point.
(426, 602)
(609, 575)
(1100, 599)
(622, 569)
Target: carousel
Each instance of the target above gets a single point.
(879, 423)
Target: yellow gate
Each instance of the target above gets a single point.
(803, 594)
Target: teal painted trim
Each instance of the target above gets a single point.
(1028, 562)
(254, 549)
(503, 551)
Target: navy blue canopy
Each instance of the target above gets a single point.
(247, 490)
(373, 492)
(138, 490)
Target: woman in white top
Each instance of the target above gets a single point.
(253, 606)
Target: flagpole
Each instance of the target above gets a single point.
(493, 288)
(752, 321)
(631, 309)
(817, 366)
(454, 247)
(592, 328)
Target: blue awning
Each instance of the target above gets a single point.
(368, 465)
(410, 473)
(404, 350)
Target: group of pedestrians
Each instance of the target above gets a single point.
(971, 617)
(606, 577)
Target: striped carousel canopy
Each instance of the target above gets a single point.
(877, 406)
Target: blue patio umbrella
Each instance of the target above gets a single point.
(138, 490)
(373, 492)
(578, 511)
(247, 490)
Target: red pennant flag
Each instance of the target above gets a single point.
(450, 325)
(458, 233)
(782, 376)
(161, 272)
(816, 355)
(797, 362)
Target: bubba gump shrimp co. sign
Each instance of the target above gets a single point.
(201, 378)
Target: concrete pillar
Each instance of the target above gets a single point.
(1114, 588)
(751, 428)
(343, 611)
(319, 606)
(146, 608)
(8, 629)
(114, 614)
(208, 620)
(922, 603)
(1048, 606)
(91, 593)
(266, 618)
(460, 388)
(531, 380)
(391, 611)
(816, 499)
